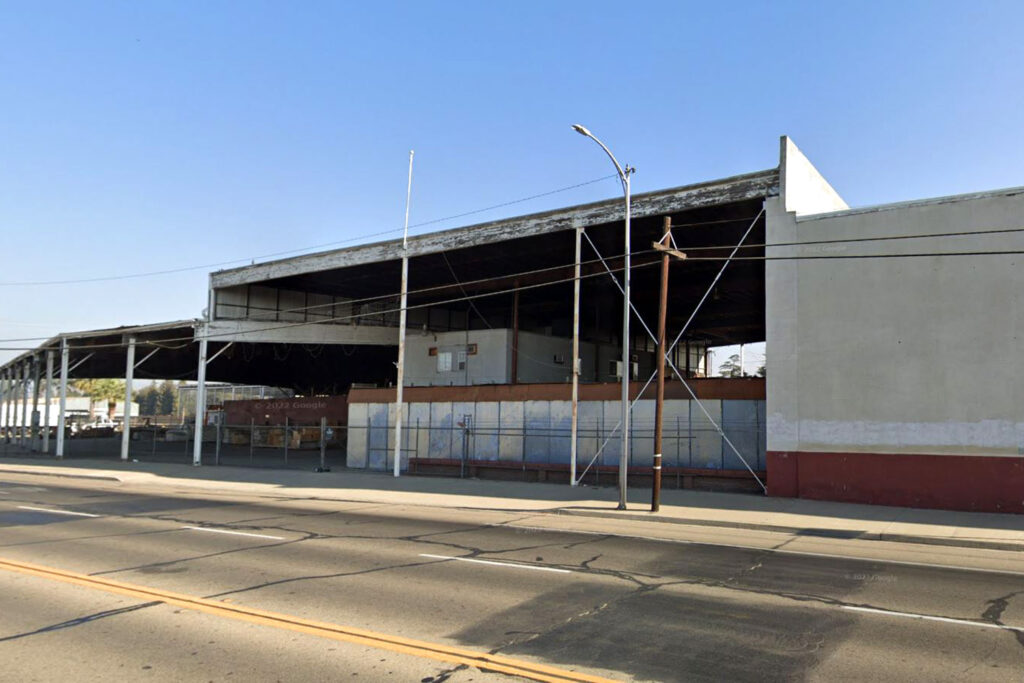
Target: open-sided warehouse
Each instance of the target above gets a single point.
(892, 336)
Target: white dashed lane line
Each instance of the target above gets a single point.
(57, 512)
(929, 617)
(233, 533)
(497, 564)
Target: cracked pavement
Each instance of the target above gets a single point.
(591, 595)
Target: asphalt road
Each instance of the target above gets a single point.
(699, 604)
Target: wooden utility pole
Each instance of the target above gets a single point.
(665, 247)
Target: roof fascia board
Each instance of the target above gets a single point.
(736, 188)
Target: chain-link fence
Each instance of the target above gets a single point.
(303, 446)
(691, 441)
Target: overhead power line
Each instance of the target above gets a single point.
(470, 298)
(300, 250)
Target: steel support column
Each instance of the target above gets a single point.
(23, 392)
(61, 416)
(129, 375)
(4, 394)
(36, 369)
(197, 447)
(49, 400)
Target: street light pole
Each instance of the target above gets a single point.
(624, 174)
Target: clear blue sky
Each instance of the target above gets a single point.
(140, 136)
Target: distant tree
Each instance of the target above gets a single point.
(731, 367)
(147, 398)
(167, 399)
(762, 371)
(100, 390)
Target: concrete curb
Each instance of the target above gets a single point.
(35, 473)
(851, 534)
(569, 510)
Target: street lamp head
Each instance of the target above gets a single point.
(581, 130)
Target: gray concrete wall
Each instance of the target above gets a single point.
(897, 355)
(489, 365)
(549, 359)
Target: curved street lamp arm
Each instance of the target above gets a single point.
(623, 173)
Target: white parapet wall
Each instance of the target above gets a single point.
(896, 376)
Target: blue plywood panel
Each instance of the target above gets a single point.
(740, 424)
(537, 417)
(641, 438)
(511, 438)
(486, 428)
(418, 439)
(590, 421)
(561, 431)
(706, 441)
(378, 437)
(675, 448)
(612, 415)
(441, 425)
(355, 453)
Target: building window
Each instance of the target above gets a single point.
(462, 360)
(444, 361)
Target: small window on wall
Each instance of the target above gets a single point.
(462, 360)
(444, 361)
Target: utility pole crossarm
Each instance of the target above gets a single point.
(658, 246)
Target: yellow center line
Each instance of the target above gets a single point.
(350, 634)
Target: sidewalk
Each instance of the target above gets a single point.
(743, 511)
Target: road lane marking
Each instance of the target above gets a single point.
(233, 533)
(498, 564)
(779, 551)
(417, 648)
(57, 512)
(928, 617)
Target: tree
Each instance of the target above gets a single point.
(99, 390)
(731, 367)
(167, 401)
(148, 398)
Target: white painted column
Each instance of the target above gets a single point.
(4, 393)
(35, 402)
(197, 447)
(400, 384)
(23, 392)
(49, 400)
(129, 374)
(63, 396)
(10, 404)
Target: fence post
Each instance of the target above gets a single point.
(678, 474)
(286, 440)
(216, 452)
(252, 438)
(323, 442)
(522, 445)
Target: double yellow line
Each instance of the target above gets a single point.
(383, 641)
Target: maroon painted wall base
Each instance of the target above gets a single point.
(945, 482)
